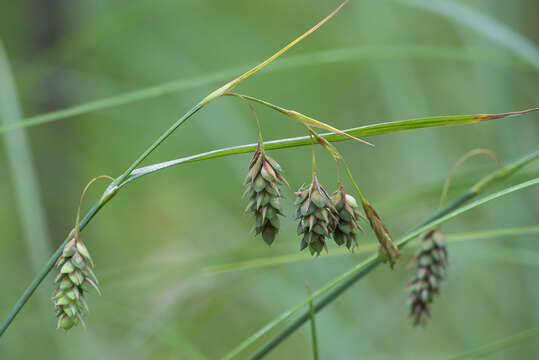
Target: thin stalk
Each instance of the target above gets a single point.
(258, 127)
(313, 326)
(77, 219)
(159, 140)
(304, 119)
(372, 263)
(21, 168)
(459, 162)
(363, 199)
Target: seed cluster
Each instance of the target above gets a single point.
(430, 264)
(347, 218)
(74, 273)
(263, 190)
(317, 217)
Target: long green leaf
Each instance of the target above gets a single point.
(483, 24)
(499, 345)
(362, 131)
(325, 57)
(370, 262)
(23, 174)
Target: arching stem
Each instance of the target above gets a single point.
(459, 162)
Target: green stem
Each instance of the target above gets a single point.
(363, 199)
(459, 162)
(329, 298)
(313, 327)
(158, 142)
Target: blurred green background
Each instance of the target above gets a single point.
(157, 243)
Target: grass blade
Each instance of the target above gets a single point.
(499, 345)
(24, 178)
(371, 262)
(317, 58)
(313, 327)
(482, 24)
(362, 131)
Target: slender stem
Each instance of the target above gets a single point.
(77, 219)
(303, 119)
(313, 154)
(372, 264)
(284, 49)
(259, 128)
(363, 199)
(260, 101)
(339, 180)
(158, 142)
(459, 162)
(313, 326)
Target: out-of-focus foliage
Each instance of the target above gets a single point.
(152, 244)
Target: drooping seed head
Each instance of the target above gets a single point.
(316, 215)
(430, 263)
(74, 274)
(345, 231)
(263, 184)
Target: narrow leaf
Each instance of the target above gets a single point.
(362, 131)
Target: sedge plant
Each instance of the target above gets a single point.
(321, 215)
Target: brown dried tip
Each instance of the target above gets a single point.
(387, 250)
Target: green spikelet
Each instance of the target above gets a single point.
(263, 191)
(316, 215)
(344, 233)
(74, 275)
(430, 264)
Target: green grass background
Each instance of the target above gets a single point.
(154, 243)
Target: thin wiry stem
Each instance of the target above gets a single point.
(77, 219)
(459, 162)
(259, 128)
(314, 337)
